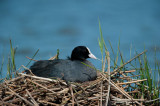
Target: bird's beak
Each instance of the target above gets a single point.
(92, 56)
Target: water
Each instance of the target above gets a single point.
(49, 25)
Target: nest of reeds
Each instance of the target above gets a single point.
(110, 88)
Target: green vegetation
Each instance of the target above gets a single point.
(149, 88)
(2, 67)
(147, 72)
(11, 66)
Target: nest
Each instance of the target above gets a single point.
(32, 90)
(105, 90)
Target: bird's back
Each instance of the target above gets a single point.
(76, 71)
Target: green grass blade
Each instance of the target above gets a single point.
(13, 51)
(2, 67)
(101, 43)
(32, 57)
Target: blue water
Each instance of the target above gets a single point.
(49, 25)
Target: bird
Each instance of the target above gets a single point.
(73, 69)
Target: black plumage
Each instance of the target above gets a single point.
(76, 69)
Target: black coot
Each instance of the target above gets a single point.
(76, 68)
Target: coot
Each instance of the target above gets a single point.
(75, 69)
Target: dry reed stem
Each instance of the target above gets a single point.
(40, 78)
(31, 58)
(127, 77)
(119, 99)
(109, 78)
(149, 101)
(54, 57)
(131, 82)
(72, 95)
(130, 71)
(101, 93)
(103, 68)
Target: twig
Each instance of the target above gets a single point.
(41, 86)
(16, 100)
(31, 58)
(103, 68)
(27, 69)
(18, 95)
(128, 77)
(33, 100)
(52, 104)
(90, 98)
(14, 79)
(63, 91)
(8, 97)
(54, 57)
(7, 104)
